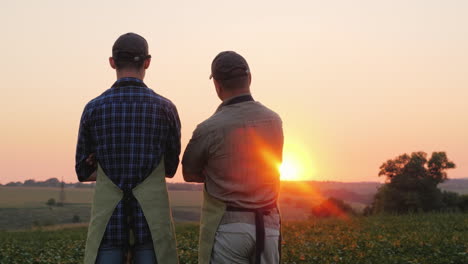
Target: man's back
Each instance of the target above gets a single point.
(130, 128)
(125, 135)
(237, 153)
(244, 143)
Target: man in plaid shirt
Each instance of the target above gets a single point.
(128, 129)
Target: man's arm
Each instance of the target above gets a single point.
(194, 159)
(171, 156)
(85, 162)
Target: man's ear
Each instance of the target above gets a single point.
(147, 63)
(218, 88)
(112, 62)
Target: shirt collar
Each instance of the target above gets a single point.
(236, 100)
(128, 81)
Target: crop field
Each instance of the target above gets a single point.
(24, 197)
(25, 207)
(411, 239)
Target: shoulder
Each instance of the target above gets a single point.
(205, 128)
(163, 100)
(166, 104)
(267, 111)
(95, 103)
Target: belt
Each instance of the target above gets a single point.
(259, 226)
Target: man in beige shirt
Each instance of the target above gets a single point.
(236, 153)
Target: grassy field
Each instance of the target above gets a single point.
(33, 197)
(412, 239)
(24, 197)
(25, 207)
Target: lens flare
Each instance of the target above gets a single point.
(289, 170)
(297, 164)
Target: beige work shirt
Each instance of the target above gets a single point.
(237, 151)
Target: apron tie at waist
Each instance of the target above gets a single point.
(127, 200)
(259, 226)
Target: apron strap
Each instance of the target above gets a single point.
(259, 226)
(127, 200)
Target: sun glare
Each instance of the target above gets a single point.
(296, 165)
(288, 170)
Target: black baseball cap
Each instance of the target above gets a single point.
(130, 47)
(229, 65)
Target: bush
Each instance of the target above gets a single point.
(332, 207)
(51, 202)
(463, 203)
(76, 219)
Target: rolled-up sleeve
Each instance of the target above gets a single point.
(195, 157)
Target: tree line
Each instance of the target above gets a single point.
(412, 185)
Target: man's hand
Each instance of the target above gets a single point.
(91, 160)
(92, 177)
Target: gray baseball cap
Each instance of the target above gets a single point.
(130, 47)
(229, 65)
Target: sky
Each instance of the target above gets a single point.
(355, 82)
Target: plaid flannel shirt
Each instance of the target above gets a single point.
(130, 128)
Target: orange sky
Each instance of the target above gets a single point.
(356, 82)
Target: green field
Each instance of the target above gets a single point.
(29, 197)
(411, 239)
(25, 207)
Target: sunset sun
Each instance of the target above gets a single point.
(296, 165)
(289, 170)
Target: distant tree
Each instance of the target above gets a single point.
(332, 207)
(463, 203)
(52, 182)
(411, 183)
(451, 201)
(367, 210)
(29, 182)
(51, 202)
(13, 184)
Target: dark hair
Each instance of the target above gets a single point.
(236, 83)
(130, 65)
(127, 61)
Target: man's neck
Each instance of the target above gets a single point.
(233, 94)
(130, 74)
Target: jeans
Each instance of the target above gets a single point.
(144, 254)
